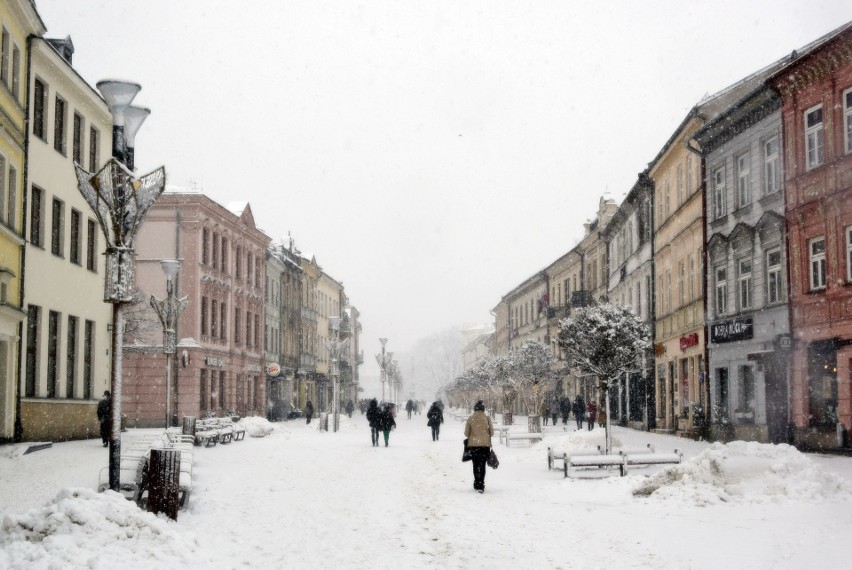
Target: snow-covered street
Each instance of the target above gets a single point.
(303, 498)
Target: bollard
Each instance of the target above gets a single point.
(164, 482)
(188, 425)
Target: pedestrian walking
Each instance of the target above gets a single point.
(350, 407)
(602, 415)
(435, 417)
(387, 423)
(554, 410)
(309, 411)
(104, 409)
(579, 408)
(543, 412)
(374, 419)
(478, 430)
(409, 407)
(565, 408)
(592, 414)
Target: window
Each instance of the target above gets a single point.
(36, 222)
(202, 391)
(817, 259)
(223, 320)
(237, 263)
(74, 252)
(71, 357)
(221, 389)
(745, 404)
(33, 333)
(681, 187)
(215, 251)
(849, 253)
(237, 324)
(12, 199)
(59, 125)
(774, 282)
(5, 45)
(721, 290)
(667, 191)
(681, 283)
(248, 330)
(39, 109)
(77, 142)
(57, 227)
(668, 291)
(91, 246)
(203, 316)
(744, 283)
(847, 110)
(214, 318)
(771, 160)
(205, 251)
(88, 358)
(2, 186)
(691, 277)
(814, 135)
(743, 180)
(16, 73)
(52, 352)
(224, 263)
(719, 193)
(94, 149)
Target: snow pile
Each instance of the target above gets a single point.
(582, 439)
(84, 529)
(257, 426)
(745, 473)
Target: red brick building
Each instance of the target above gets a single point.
(816, 90)
(218, 366)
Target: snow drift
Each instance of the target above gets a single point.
(745, 472)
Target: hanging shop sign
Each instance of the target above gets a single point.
(733, 330)
(273, 369)
(688, 340)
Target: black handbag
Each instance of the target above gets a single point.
(492, 461)
(466, 456)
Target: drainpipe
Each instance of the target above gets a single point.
(704, 267)
(19, 426)
(174, 357)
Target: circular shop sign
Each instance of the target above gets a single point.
(273, 369)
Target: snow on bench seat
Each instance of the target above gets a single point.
(523, 436)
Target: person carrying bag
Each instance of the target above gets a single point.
(478, 430)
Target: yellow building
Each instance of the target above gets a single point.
(18, 21)
(308, 351)
(66, 363)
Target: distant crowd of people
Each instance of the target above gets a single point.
(588, 413)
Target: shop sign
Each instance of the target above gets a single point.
(659, 349)
(688, 340)
(785, 342)
(730, 331)
(273, 369)
(253, 368)
(211, 361)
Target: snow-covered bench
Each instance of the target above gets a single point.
(552, 457)
(528, 436)
(637, 450)
(575, 462)
(646, 459)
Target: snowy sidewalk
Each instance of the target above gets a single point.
(300, 498)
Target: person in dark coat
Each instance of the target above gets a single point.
(104, 409)
(579, 410)
(478, 430)
(350, 407)
(309, 411)
(565, 408)
(436, 418)
(409, 407)
(592, 414)
(387, 423)
(373, 418)
(554, 410)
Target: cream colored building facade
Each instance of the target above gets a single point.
(18, 21)
(66, 363)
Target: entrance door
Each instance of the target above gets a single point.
(776, 400)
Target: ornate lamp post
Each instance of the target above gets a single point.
(384, 360)
(169, 312)
(335, 347)
(120, 202)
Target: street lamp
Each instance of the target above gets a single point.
(335, 346)
(120, 202)
(384, 360)
(169, 311)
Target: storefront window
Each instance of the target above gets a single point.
(822, 384)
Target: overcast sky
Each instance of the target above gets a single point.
(431, 154)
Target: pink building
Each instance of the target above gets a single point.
(218, 366)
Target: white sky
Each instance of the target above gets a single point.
(432, 155)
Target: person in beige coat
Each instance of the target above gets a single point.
(478, 431)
